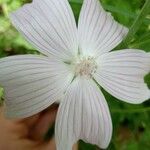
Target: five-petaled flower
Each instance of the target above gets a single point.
(74, 61)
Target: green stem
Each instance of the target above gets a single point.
(139, 110)
(140, 43)
(5, 9)
(137, 23)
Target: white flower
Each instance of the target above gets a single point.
(74, 62)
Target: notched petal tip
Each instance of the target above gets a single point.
(83, 114)
(32, 83)
(99, 33)
(49, 26)
(122, 74)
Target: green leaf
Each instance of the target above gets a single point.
(113, 9)
(86, 146)
(136, 25)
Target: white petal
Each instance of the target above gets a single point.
(32, 83)
(83, 114)
(49, 25)
(122, 73)
(98, 31)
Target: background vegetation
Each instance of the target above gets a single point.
(131, 122)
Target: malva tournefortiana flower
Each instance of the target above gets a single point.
(74, 61)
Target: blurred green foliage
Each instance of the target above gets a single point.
(131, 122)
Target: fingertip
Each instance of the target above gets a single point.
(45, 121)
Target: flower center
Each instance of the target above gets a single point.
(85, 67)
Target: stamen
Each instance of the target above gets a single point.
(86, 67)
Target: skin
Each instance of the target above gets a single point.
(27, 134)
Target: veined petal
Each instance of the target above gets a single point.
(50, 26)
(98, 31)
(83, 114)
(122, 73)
(32, 83)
